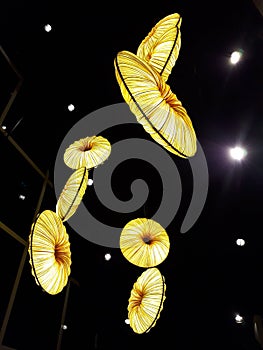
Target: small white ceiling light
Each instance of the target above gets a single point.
(22, 197)
(71, 107)
(239, 319)
(3, 127)
(127, 321)
(237, 153)
(240, 241)
(90, 182)
(48, 27)
(64, 327)
(236, 56)
(107, 256)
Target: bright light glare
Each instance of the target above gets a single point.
(239, 319)
(64, 326)
(237, 153)
(71, 107)
(235, 57)
(48, 27)
(107, 256)
(127, 321)
(240, 242)
(90, 182)
(21, 196)
(3, 127)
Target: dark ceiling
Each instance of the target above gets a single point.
(208, 277)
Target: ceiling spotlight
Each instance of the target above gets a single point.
(71, 107)
(237, 153)
(22, 197)
(3, 127)
(236, 56)
(64, 326)
(107, 256)
(239, 319)
(48, 27)
(127, 321)
(90, 182)
(240, 242)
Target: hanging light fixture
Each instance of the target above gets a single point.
(161, 46)
(49, 251)
(144, 242)
(87, 152)
(146, 300)
(72, 194)
(154, 105)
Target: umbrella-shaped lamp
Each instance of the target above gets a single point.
(88, 152)
(49, 251)
(146, 300)
(72, 194)
(161, 46)
(144, 242)
(154, 104)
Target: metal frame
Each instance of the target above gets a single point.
(8, 230)
(15, 91)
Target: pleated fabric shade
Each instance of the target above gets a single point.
(87, 152)
(146, 300)
(49, 251)
(155, 106)
(144, 242)
(161, 46)
(72, 194)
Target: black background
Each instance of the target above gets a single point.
(209, 278)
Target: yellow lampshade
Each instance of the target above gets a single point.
(49, 251)
(72, 194)
(87, 152)
(144, 242)
(161, 46)
(146, 300)
(155, 106)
